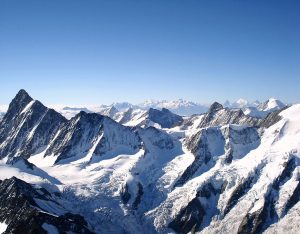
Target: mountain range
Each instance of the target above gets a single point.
(231, 168)
(179, 107)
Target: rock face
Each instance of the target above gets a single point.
(116, 137)
(77, 136)
(21, 213)
(218, 116)
(189, 219)
(27, 127)
(208, 144)
(153, 137)
(271, 119)
(162, 118)
(165, 118)
(91, 131)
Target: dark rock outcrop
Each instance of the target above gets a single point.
(164, 117)
(189, 219)
(77, 136)
(22, 214)
(271, 119)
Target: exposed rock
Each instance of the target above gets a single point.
(77, 136)
(271, 119)
(28, 127)
(189, 219)
(138, 198)
(125, 195)
(165, 118)
(21, 213)
(217, 116)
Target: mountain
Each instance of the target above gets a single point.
(153, 117)
(151, 171)
(27, 127)
(179, 107)
(217, 115)
(3, 110)
(25, 212)
(91, 135)
(271, 104)
(256, 109)
(241, 104)
(265, 108)
(110, 111)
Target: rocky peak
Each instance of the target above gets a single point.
(20, 101)
(27, 127)
(215, 107)
(22, 95)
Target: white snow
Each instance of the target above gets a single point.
(28, 106)
(3, 227)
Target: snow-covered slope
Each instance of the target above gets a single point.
(247, 195)
(219, 172)
(265, 108)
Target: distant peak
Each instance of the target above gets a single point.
(272, 99)
(215, 107)
(242, 101)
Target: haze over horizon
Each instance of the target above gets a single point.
(100, 52)
(154, 103)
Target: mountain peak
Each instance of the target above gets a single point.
(271, 104)
(215, 107)
(20, 101)
(22, 96)
(22, 92)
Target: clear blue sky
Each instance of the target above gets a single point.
(96, 51)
